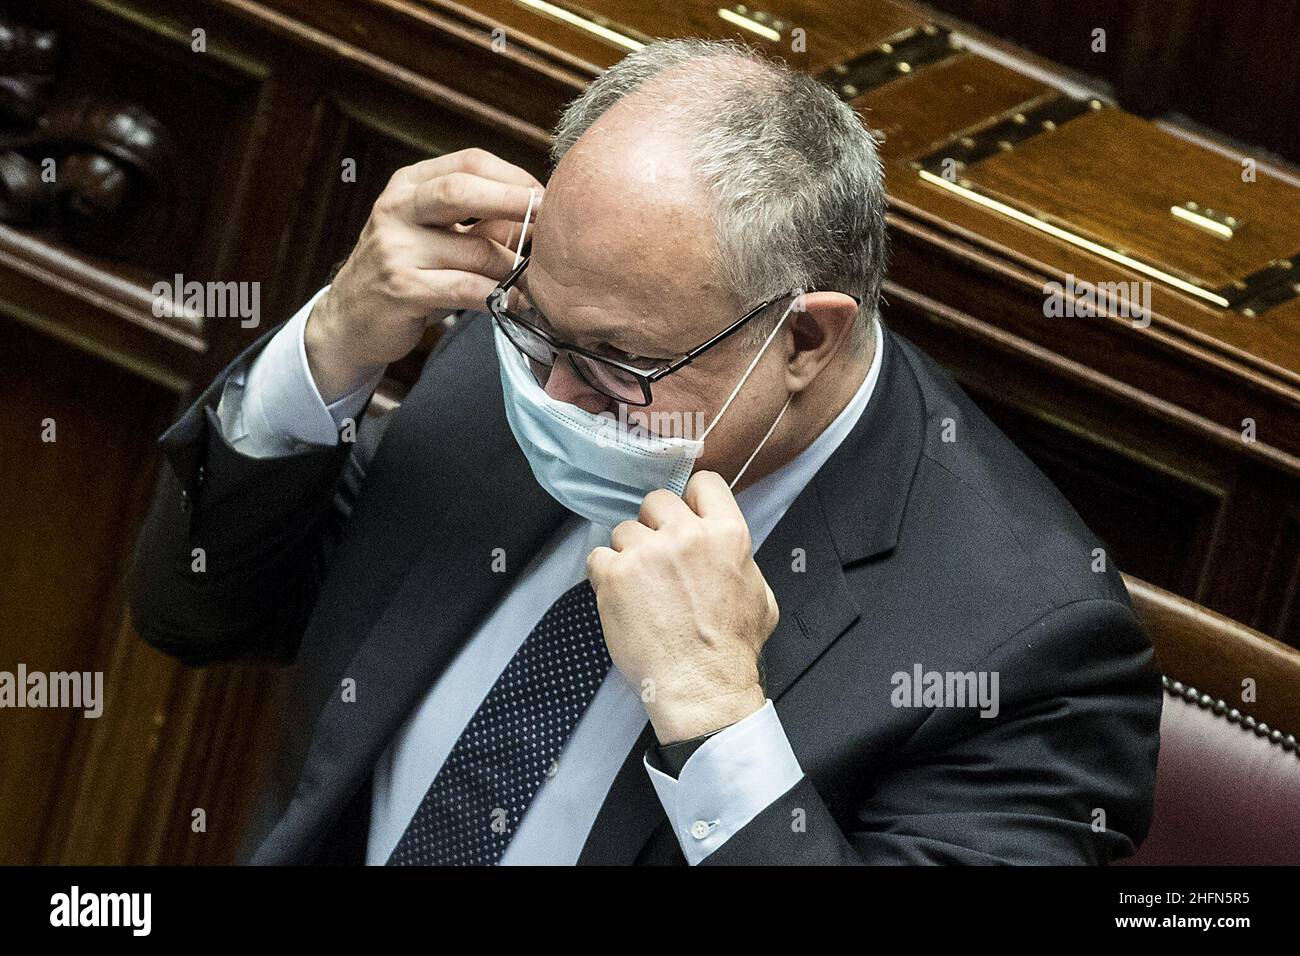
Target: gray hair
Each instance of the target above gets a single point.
(795, 178)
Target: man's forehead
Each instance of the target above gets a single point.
(596, 304)
(645, 285)
(626, 230)
(624, 235)
(626, 184)
(662, 259)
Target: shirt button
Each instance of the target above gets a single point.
(699, 829)
(553, 769)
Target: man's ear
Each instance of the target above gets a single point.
(819, 324)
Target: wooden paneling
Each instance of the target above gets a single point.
(904, 115)
(203, 104)
(1231, 66)
(1278, 608)
(262, 122)
(72, 507)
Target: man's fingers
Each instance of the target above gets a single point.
(773, 609)
(628, 533)
(709, 496)
(598, 564)
(448, 199)
(504, 232)
(468, 251)
(480, 162)
(661, 507)
(452, 289)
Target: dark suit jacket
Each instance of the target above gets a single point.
(927, 538)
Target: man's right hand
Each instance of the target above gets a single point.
(414, 264)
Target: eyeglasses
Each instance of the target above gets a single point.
(514, 311)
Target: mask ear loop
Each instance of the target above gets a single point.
(736, 391)
(745, 466)
(752, 365)
(519, 253)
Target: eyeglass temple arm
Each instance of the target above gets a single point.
(694, 353)
(500, 291)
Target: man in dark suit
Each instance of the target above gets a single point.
(547, 612)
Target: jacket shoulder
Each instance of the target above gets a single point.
(982, 493)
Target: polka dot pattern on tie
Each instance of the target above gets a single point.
(478, 798)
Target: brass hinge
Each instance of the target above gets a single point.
(896, 57)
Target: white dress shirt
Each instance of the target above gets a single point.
(274, 408)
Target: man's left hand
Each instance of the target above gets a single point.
(685, 609)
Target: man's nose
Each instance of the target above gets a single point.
(564, 384)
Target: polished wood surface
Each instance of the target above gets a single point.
(1218, 656)
(1154, 171)
(1228, 66)
(76, 474)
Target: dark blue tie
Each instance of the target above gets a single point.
(476, 802)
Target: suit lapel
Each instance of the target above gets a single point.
(799, 561)
(445, 596)
(836, 523)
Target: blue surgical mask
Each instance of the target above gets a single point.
(593, 464)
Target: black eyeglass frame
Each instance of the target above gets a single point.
(644, 377)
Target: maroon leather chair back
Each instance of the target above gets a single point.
(1228, 780)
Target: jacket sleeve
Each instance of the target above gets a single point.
(1064, 774)
(234, 549)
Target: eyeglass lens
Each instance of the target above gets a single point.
(608, 379)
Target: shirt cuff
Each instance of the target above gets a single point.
(274, 407)
(727, 782)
